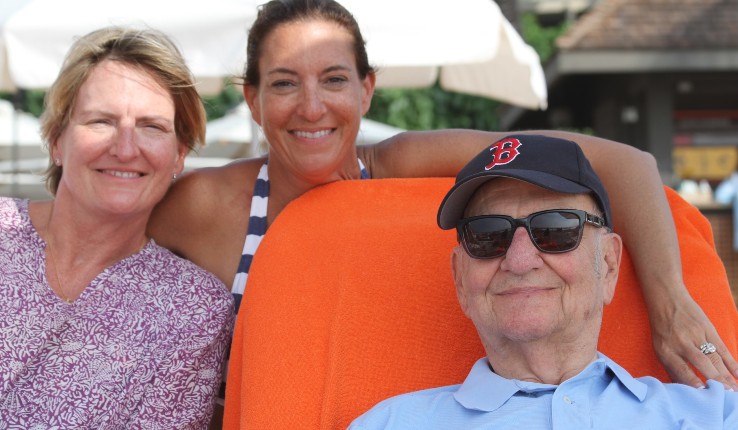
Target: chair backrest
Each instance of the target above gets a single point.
(350, 300)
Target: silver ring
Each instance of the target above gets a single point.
(707, 348)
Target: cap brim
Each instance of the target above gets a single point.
(454, 203)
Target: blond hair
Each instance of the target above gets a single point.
(148, 49)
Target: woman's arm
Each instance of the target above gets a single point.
(205, 210)
(633, 183)
(678, 324)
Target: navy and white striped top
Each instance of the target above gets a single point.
(258, 227)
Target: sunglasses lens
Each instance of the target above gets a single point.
(556, 231)
(487, 237)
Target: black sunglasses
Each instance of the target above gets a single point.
(552, 231)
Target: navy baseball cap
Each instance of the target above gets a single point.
(548, 162)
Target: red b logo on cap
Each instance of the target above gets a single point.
(503, 152)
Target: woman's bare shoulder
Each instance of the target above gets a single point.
(208, 210)
(213, 184)
(205, 199)
(235, 177)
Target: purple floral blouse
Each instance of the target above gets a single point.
(142, 347)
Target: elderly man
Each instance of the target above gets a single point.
(536, 264)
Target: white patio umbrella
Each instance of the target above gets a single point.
(234, 135)
(37, 34)
(7, 9)
(467, 44)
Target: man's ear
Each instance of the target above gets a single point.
(458, 256)
(612, 247)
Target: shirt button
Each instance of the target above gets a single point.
(567, 400)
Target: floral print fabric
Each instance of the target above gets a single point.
(142, 347)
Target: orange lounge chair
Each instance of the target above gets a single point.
(350, 301)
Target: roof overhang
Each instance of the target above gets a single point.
(639, 61)
(628, 61)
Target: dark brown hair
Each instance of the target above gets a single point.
(278, 12)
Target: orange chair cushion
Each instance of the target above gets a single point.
(350, 300)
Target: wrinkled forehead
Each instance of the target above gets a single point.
(516, 198)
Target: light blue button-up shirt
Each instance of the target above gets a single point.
(602, 396)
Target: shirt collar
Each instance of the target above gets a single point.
(485, 390)
(636, 387)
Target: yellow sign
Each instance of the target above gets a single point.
(712, 162)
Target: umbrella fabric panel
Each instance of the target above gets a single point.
(468, 43)
(212, 35)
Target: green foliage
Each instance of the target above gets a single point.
(216, 106)
(32, 101)
(542, 39)
(432, 108)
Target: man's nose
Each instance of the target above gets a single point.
(522, 255)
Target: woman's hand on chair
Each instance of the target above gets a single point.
(679, 328)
